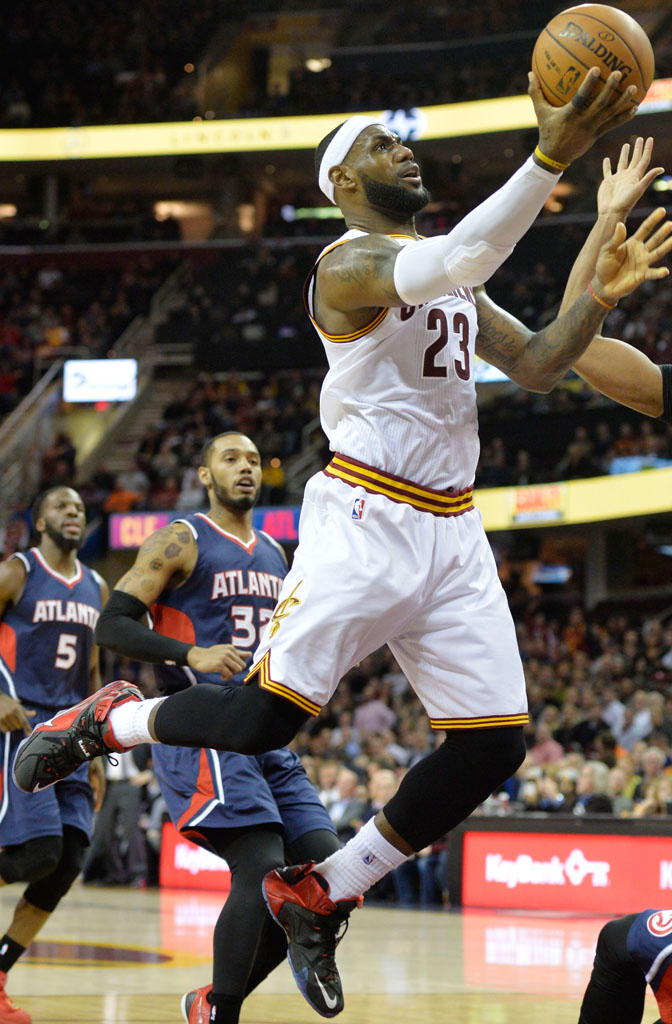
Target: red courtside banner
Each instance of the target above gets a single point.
(187, 866)
(609, 874)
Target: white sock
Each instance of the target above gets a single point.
(364, 860)
(130, 722)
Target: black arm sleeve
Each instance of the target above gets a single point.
(666, 370)
(119, 629)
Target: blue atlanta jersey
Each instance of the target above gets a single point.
(228, 598)
(47, 637)
(650, 944)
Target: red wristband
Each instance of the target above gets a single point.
(593, 293)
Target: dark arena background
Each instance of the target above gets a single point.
(158, 216)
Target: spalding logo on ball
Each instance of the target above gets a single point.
(589, 36)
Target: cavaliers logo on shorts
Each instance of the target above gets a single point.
(282, 610)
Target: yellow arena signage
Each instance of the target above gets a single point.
(268, 134)
(595, 500)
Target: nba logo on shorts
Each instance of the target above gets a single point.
(358, 508)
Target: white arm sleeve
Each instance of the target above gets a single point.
(479, 244)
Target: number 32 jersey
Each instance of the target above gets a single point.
(47, 637)
(400, 393)
(228, 598)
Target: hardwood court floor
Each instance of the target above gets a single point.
(118, 956)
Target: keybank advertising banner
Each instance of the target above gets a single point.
(184, 865)
(611, 874)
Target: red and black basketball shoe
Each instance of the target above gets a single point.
(195, 1006)
(9, 1011)
(56, 748)
(298, 900)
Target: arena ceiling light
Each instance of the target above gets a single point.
(317, 64)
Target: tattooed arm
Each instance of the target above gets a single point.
(355, 280)
(165, 560)
(537, 361)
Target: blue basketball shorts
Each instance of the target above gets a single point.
(206, 789)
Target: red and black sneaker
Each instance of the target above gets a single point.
(195, 1006)
(9, 1011)
(56, 748)
(298, 900)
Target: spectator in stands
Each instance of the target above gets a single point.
(546, 750)
(637, 723)
(592, 790)
(349, 811)
(651, 763)
(656, 798)
(373, 715)
(621, 803)
(121, 500)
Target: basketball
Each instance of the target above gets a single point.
(587, 36)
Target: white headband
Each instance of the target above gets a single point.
(339, 147)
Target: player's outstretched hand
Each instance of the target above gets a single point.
(624, 263)
(223, 659)
(621, 189)
(567, 132)
(13, 715)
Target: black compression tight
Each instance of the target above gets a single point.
(245, 719)
(444, 788)
(251, 854)
(617, 987)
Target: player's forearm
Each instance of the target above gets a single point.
(477, 246)
(584, 265)
(120, 630)
(550, 353)
(624, 374)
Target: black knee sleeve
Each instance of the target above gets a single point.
(617, 986)
(48, 891)
(245, 719)
(446, 786)
(30, 861)
(316, 846)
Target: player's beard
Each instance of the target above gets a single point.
(242, 504)
(397, 200)
(62, 542)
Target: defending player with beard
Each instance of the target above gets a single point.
(211, 581)
(49, 606)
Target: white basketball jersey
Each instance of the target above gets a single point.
(400, 393)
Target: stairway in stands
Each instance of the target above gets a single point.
(119, 452)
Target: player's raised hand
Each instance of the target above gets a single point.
(223, 659)
(624, 263)
(13, 715)
(567, 132)
(620, 189)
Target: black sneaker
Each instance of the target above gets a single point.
(56, 748)
(298, 900)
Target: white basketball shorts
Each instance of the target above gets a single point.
(370, 571)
